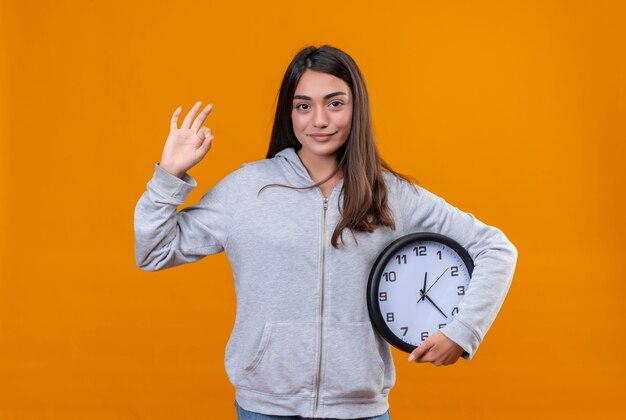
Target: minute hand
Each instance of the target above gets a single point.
(431, 286)
(431, 301)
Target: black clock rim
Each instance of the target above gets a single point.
(373, 281)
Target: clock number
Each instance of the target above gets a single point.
(454, 271)
(405, 329)
(461, 290)
(382, 296)
(455, 311)
(439, 253)
(389, 316)
(420, 251)
(390, 276)
(424, 335)
(401, 259)
(442, 325)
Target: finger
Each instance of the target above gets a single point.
(174, 120)
(190, 115)
(201, 117)
(432, 355)
(206, 144)
(204, 132)
(447, 356)
(207, 140)
(449, 361)
(453, 358)
(419, 352)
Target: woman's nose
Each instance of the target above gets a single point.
(320, 119)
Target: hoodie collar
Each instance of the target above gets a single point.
(290, 160)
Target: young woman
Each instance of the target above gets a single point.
(302, 229)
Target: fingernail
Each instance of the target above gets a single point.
(411, 358)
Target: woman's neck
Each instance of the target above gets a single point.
(319, 168)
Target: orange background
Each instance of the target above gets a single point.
(513, 111)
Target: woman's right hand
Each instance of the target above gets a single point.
(187, 145)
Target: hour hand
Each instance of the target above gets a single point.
(423, 291)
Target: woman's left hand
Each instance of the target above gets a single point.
(438, 350)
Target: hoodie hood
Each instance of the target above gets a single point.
(290, 162)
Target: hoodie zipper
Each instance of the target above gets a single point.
(319, 359)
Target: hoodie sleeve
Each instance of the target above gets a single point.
(166, 238)
(493, 254)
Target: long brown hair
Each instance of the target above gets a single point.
(365, 204)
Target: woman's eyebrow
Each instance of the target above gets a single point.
(330, 95)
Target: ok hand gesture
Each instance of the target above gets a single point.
(186, 146)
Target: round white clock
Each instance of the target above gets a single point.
(415, 287)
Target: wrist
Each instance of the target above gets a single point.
(171, 170)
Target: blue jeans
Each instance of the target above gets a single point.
(249, 415)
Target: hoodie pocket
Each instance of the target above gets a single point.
(354, 367)
(284, 362)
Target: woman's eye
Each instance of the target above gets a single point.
(302, 106)
(336, 104)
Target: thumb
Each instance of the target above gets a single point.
(419, 352)
(206, 136)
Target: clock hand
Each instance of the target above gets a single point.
(422, 294)
(431, 286)
(423, 291)
(431, 301)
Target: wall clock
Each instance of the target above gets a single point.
(415, 287)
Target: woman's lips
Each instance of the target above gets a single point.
(321, 136)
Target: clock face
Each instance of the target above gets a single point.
(415, 287)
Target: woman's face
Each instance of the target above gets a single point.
(321, 113)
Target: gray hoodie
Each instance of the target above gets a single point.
(302, 343)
